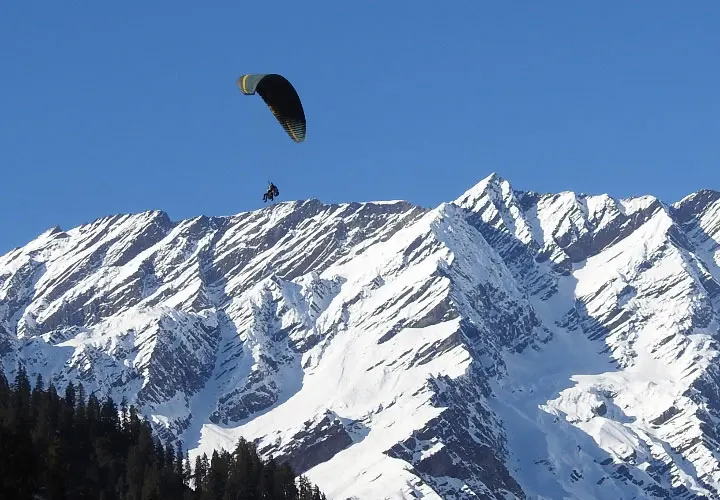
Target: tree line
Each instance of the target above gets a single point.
(74, 446)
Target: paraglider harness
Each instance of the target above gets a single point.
(271, 193)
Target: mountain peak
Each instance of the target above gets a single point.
(493, 186)
(697, 200)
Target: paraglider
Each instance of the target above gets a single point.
(271, 193)
(282, 99)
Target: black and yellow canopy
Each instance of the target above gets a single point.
(282, 99)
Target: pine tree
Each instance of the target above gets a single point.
(179, 458)
(70, 396)
(187, 470)
(305, 489)
(200, 473)
(4, 392)
(124, 416)
(170, 462)
(21, 404)
(37, 393)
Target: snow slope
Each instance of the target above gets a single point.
(504, 345)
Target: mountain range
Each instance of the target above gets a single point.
(505, 345)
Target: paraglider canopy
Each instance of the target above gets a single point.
(282, 99)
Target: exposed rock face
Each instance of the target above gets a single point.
(505, 345)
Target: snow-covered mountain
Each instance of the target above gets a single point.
(506, 345)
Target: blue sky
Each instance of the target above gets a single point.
(122, 107)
